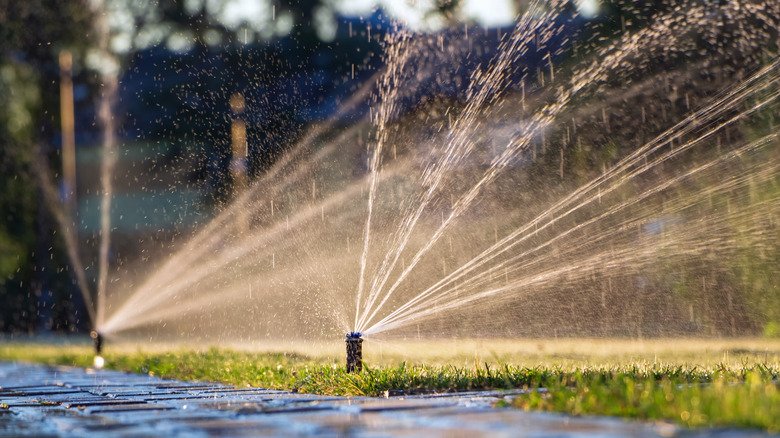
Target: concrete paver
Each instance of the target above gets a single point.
(47, 401)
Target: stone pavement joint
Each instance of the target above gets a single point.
(45, 401)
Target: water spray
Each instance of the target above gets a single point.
(354, 352)
(97, 339)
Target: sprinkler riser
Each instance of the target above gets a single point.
(97, 339)
(354, 352)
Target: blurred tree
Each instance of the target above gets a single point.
(447, 11)
(31, 35)
(19, 96)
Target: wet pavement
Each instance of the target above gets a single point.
(46, 401)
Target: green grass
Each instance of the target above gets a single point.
(267, 370)
(749, 397)
(738, 392)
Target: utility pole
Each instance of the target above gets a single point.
(68, 134)
(68, 191)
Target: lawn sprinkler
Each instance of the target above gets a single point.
(354, 352)
(97, 339)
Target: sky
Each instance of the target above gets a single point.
(488, 13)
(259, 20)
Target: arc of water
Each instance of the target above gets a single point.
(48, 188)
(684, 127)
(187, 262)
(107, 172)
(106, 114)
(607, 259)
(216, 231)
(598, 71)
(158, 290)
(572, 246)
(414, 306)
(682, 241)
(460, 145)
(389, 86)
(540, 120)
(618, 259)
(513, 264)
(204, 242)
(539, 19)
(221, 291)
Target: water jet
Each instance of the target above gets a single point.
(354, 352)
(442, 222)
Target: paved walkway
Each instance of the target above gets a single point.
(72, 402)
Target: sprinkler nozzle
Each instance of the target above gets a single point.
(97, 339)
(354, 352)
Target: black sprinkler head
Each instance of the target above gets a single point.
(354, 352)
(97, 338)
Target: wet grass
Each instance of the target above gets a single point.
(267, 370)
(748, 397)
(743, 396)
(741, 393)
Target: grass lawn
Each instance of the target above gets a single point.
(692, 382)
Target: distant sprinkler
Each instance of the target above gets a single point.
(97, 339)
(354, 352)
